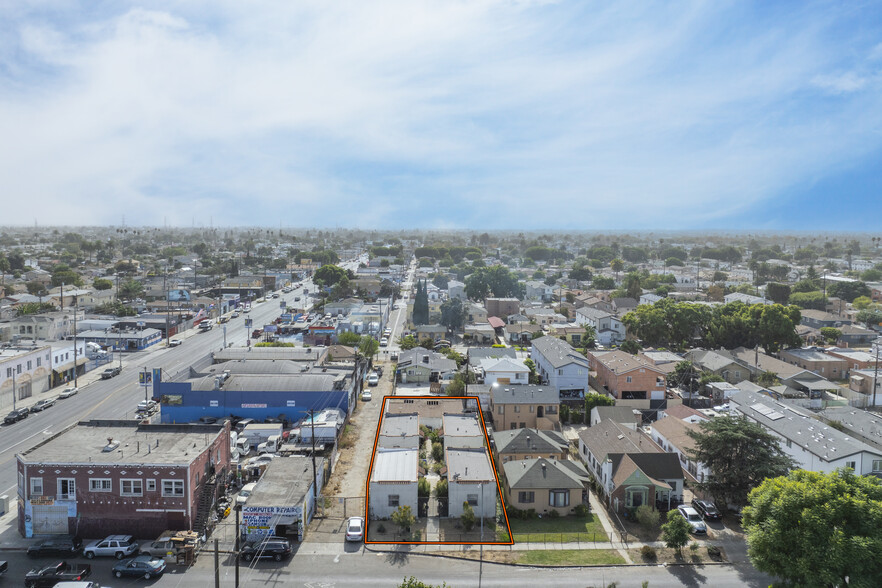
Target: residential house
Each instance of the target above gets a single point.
(624, 305)
(561, 366)
(855, 336)
(419, 365)
(672, 435)
(818, 319)
(628, 377)
(816, 360)
(541, 316)
(520, 333)
(649, 298)
(569, 332)
(813, 445)
(862, 381)
(400, 431)
(745, 298)
(393, 481)
(501, 307)
(544, 485)
(505, 371)
(718, 363)
(517, 444)
(863, 425)
(462, 430)
(609, 329)
(477, 314)
(456, 290)
(431, 409)
(666, 361)
(623, 415)
(98, 478)
(536, 290)
(685, 413)
(519, 407)
(470, 478)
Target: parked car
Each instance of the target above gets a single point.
(48, 576)
(43, 404)
(707, 510)
(207, 420)
(68, 392)
(175, 342)
(277, 548)
(159, 548)
(147, 406)
(260, 460)
(355, 529)
(142, 566)
(111, 372)
(693, 518)
(244, 493)
(384, 342)
(118, 546)
(373, 379)
(57, 547)
(256, 333)
(235, 314)
(16, 415)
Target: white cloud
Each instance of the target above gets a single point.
(422, 113)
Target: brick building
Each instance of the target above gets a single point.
(96, 478)
(628, 377)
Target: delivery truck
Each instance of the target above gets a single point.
(258, 433)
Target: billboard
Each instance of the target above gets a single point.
(178, 295)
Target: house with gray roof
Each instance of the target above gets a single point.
(717, 363)
(544, 484)
(814, 445)
(393, 481)
(419, 365)
(470, 478)
(515, 444)
(462, 430)
(561, 367)
(609, 329)
(400, 431)
(524, 406)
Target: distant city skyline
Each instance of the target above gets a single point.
(492, 115)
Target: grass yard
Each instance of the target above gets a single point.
(559, 530)
(571, 557)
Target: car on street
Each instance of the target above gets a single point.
(355, 529)
(141, 566)
(235, 314)
(16, 415)
(61, 571)
(147, 406)
(42, 405)
(247, 309)
(277, 548)
(68, 392)
(111, 372)
(373, 379)
(707, 509)
(118, 546)
(56, 547)
(384, 342)
(297, 299)
(366, 394)
(693, 518)
(174, 342)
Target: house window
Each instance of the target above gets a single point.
(30, 364)
(393, 500)
(100, 485)
(877, 465)
(151, 485)
(517, 408)
(432, 402)
(36, 486)
(628, 379)
(501, 410)
(851, 464)
(408, 401)
(472, 499)
(558, 498)
(172, 488)
(559, 372)
(67, 489)
(39, 361)
(9, 372)
(132, 487)
(514, 426)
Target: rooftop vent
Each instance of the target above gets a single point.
(112, 444)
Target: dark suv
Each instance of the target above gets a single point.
(16, 415)
(707, 510)
(110, 372)
(277, 548)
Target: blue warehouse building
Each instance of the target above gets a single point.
(279, 389)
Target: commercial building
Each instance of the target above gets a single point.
(283, 501)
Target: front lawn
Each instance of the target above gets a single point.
(571, 557)
(557, 530)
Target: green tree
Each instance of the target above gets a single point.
(496, 280)
(684, 376)
(440, 281)
(617, 265)
(453, 314)
(423, 487)
(328, 275)
(421, 305)
(533, 377)
(848, 291)
(468, 517)
(63, 274)
(349, 339)
(870, 317)
(438, 452)
(403, 517)
(768, 379)
(589, 338)
(368, 346)
(778, 293)
(408, 342)
(441, 488)
(862, 302)
(631, 346)
(593, 399)
(740, 454)
(817, 529)
(36, 288)
(102, 284)
(809, 300)
(830, 334)
(603, 283)
(412, 582)
(131, 289)
(35, 308)
(675, 533)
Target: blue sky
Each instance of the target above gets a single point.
(484, 114)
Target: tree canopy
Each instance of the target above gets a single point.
(453, 314)
(817, 529)
(740, 454)
(497, 281)
(329, 275)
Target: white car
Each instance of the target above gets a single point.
(260, 460)
(693, 518)
(68, 392)
(244, 493)
(384, 342)
(355, 529)
(174, 342)
(366, 394)
(373, 380)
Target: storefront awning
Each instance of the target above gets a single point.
(69, 365)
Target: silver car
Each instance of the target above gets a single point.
(693, 518)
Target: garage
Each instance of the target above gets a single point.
(49, 519)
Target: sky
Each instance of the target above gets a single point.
(448, 114)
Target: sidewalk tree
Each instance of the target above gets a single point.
(675, 532)
(740, 454)
(817, 529)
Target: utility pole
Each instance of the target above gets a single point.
(14, 390)
(76, 306)
(237, 508)
(314, 476)
(878, 346)
(216, 566)
(165, 289)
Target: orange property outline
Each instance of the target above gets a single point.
(367, 502)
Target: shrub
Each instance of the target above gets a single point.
(423, 487)
(437, 452)
(553, 514)
(582, 510)
(381, 528)
(647, 516)
(694, 546)
(441, 489)
(468, 517)
(648, 552)
(714, 551)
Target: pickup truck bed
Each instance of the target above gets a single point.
(48, 576)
